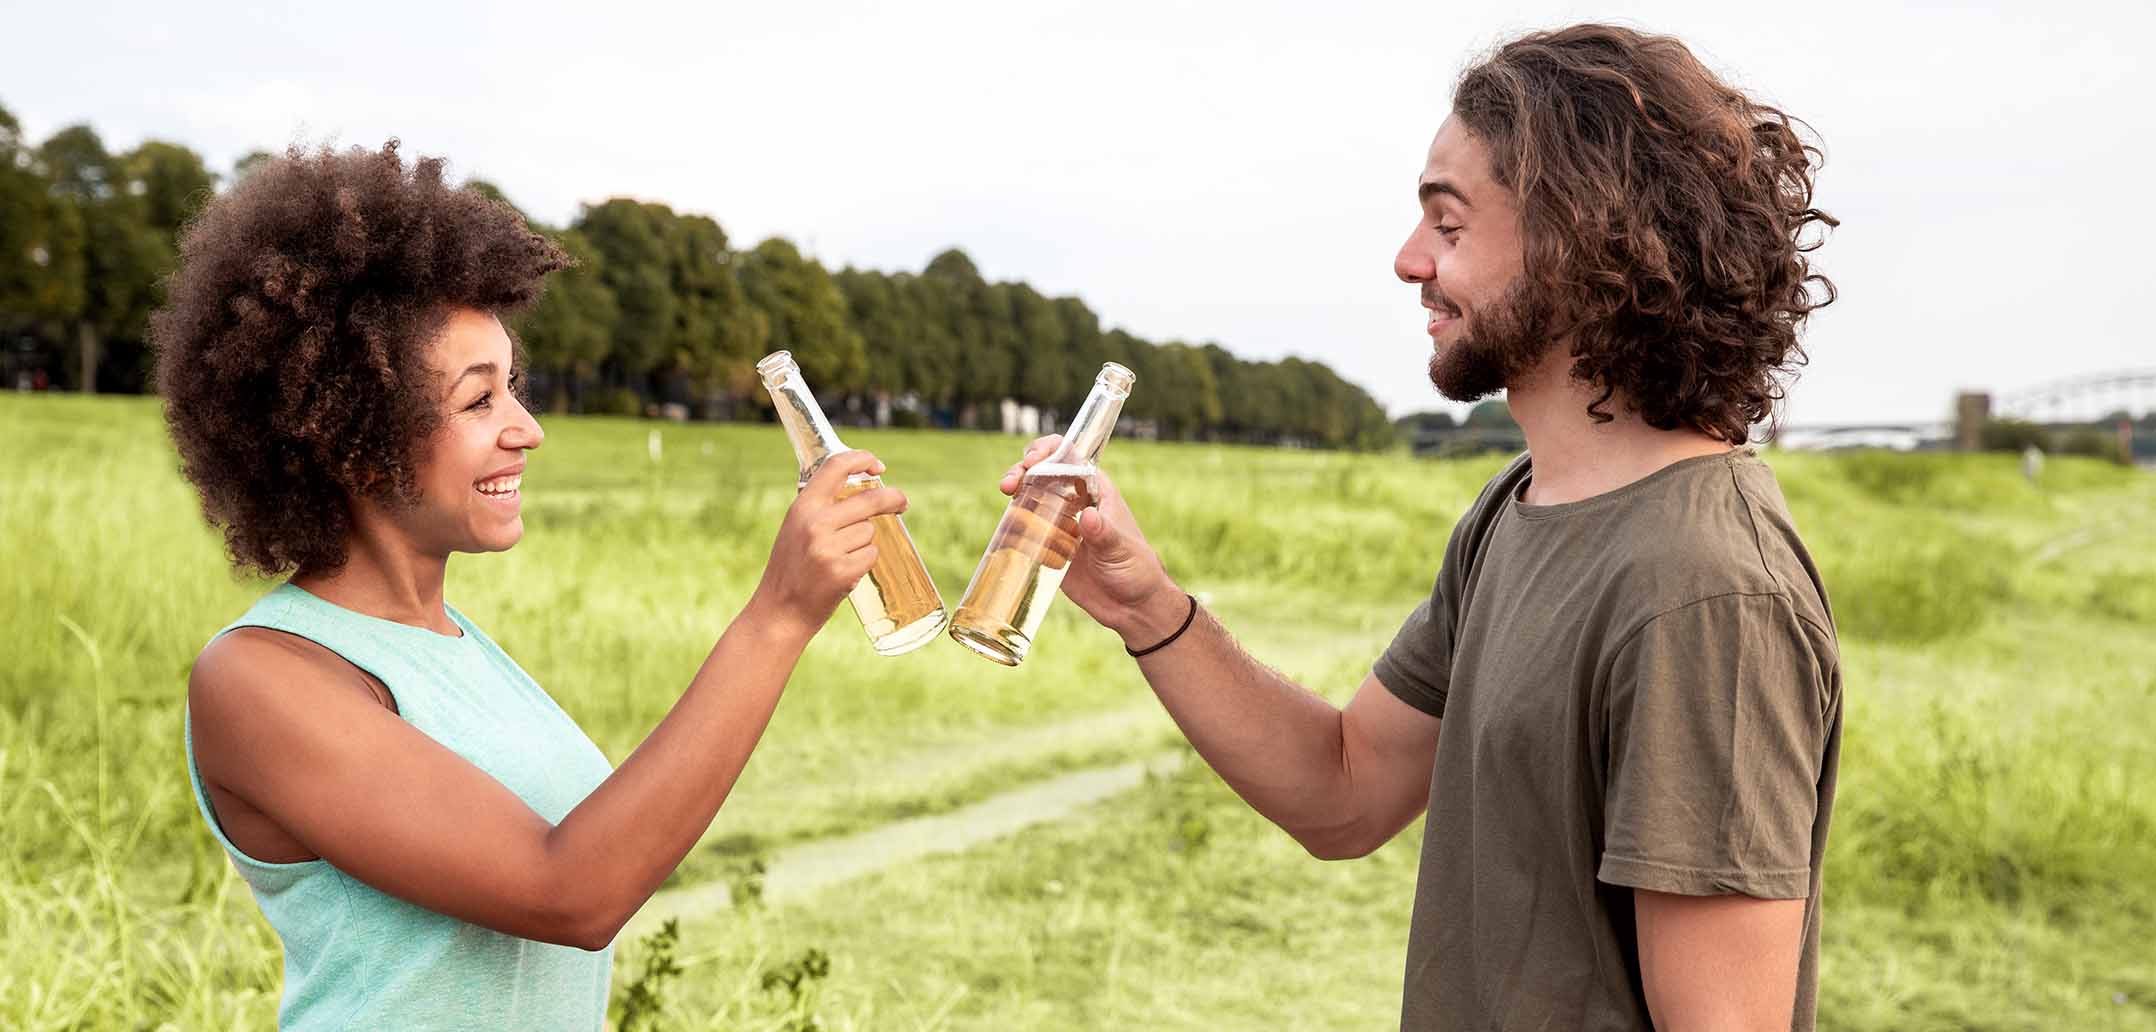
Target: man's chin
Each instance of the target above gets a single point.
(1460, 384)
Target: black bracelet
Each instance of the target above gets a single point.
(1141, 653)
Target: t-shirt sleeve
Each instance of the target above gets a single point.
(1417, 666)
(1718, 719)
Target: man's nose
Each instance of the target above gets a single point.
(1413, 264)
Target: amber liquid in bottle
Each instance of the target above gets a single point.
(1025, 564)
(1033, 545)
(897, 601)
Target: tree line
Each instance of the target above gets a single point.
(660, 313)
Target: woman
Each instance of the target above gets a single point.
(435, 842)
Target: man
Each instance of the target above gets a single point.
(1621, 704)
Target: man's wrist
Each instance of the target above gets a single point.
(1157, 616)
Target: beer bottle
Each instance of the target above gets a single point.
(897, 602)
(1032, 547)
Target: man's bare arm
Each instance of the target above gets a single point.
(1342, 783)
(1718, 963)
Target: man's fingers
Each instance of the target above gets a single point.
(1041, 448)
(1011, 478)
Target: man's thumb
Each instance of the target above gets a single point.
(1100, 536)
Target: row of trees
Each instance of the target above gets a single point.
(2101, 439)
(659, 306)
(660, 310)
(85, 238)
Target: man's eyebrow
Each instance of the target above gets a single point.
(1430, 187)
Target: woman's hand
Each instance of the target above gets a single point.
(825, 546)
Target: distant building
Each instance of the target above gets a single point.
(1972, 409)
(1019, 418)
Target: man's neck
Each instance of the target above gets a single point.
(1576, 457)
(385, 576)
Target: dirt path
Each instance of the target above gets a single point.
(954, 761)
(801, 870)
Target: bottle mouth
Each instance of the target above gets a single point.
(1116, 378)
(774, 367)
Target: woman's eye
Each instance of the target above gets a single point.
(483, 401)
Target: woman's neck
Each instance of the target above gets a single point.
(385, 576)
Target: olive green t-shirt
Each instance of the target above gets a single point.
(1638, 690)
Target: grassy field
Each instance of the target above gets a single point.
(1993, 861)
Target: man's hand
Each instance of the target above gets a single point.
(1341, 783)
(1115, 577)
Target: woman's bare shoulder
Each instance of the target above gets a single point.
(233, 672)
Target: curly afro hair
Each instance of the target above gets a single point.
(1664, 216)
(292, 351)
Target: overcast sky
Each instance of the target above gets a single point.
(1231, 172)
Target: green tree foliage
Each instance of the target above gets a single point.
(660, 307)
(2011, 435)
(682, 310)
(568, 333)
(808, 315)
(171, 182)
(41, 245)
(2098, 440)
(634, 266)
(1492, 414)
(248, 163)
(1042, 353)
(716, 336)
(979, 317)
(123, 256)
(1418, 421)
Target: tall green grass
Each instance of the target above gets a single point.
(1992, 853)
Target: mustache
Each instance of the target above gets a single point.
(1437, 300)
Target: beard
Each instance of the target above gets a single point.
(1494, 348)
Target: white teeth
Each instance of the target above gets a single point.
(504, 486)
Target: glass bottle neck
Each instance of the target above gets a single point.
(808, 429)
(1091, 427)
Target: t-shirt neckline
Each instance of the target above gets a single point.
(1524, 510)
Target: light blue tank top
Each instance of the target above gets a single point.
(357, 958)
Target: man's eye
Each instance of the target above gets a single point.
(1445, 230)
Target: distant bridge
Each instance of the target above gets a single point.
(1898, 436)
(2083, 399)
(2068, 404)
(2073, 403)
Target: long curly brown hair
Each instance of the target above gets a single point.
(1664, 216)
(292, 348)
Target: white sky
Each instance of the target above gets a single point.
(1235, 172)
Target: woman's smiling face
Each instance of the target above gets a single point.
(471, 473)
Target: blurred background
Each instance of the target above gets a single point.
(952, 214)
